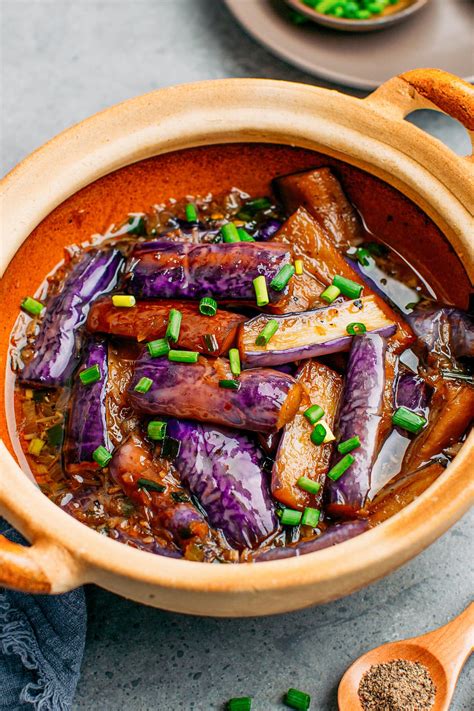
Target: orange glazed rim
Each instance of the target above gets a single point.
(368, 133)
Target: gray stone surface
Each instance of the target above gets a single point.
(62, 60)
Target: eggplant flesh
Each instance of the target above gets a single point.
(56, 347)
(336, 534)
(360, 415)
(224, 271)
(446, 331)
(223, 469)
(265, 401)
(87, 423)
(312, 333)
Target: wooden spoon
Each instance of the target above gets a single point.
(443, 652)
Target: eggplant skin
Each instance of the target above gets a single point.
(224, 271)
(56, 346)
(265, 402)
(412, 392)
(87, 422)
(360, 414)
(338, 533)
(444, 330)
(223, 469)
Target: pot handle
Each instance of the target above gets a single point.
(427, 88)
(21, 569)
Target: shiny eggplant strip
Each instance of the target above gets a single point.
(131, 465)
(321, 194)
(412, 392)
(297, 456)
(451, 414)
(224, 271)
(265, 401)
(324, 260)
(312, 333)
(445, 331)
(56, 349)
(148, 320)
(360, 415)
(86, 425)
(150, 547)
(336, 534)
(223, 469)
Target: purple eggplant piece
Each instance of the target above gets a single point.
(153, 547)
(87, 425)
(310, 334)
(223, 469)
(265, 402)
(336, 534)
(412, 392)
(56, 347)
(268, 230)
(224, 271)
(360, 414)
(444, 330)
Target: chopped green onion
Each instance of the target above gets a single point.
(363, 256)
(347, 287)
(191, 212)
(90, 375)
(55, 435)
(329, 436)
(158, 348)
(102, 456)
(229, 233)
(180, 497)
(143, 385)
(313, 413)
(356, 328)
(299, 264)
(210, 342)
(243, 703)
(234, 360)
(31, 305)
(151, 485)
(310, 517)
(348, 445)
(174, 325)
(244, 235)
(307, 484)
(170, 448)
(137, 225)
(35, 446)
(290, 517)
(260, 286)
(267, 332)
(257, 204)
(123, 301)
(279, 282)
(338, 469)
(208, 306)
(183, 356)
(408, 420)
(230, 384)
(156, 430)
(330, 294)
(318, 434)
(296, 699)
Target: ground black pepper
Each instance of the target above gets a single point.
(398, 685)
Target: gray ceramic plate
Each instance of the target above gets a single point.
(440, 35)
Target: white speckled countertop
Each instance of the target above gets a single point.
(61, 61)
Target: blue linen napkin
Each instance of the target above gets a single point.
(41, 646)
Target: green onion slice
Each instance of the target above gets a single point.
(330, 294)
(151, 485)
(158, 348)
(296, 699)
(314, 413)
(348, 445)
(279, 282)
(208, 306)
(183, 356)
(102, 456)
(271, 327)
(230, 384)
(143, 385)
(156, 430)
(261, 293)
(356, 328)
(123, 301)
(363, 256)
(90, 375)
(229, 233)
(310, 517)
(234, 360)
(191, 212)
(347, 287)
(307, 484)
(31, 305)
(244, 235)
(290, 517)
(318, 435)
(170, 448)
(338, 469)
(174, 325)
(408, 420)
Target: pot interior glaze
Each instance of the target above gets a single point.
(197, 171)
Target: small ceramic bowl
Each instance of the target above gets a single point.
(392, 16)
